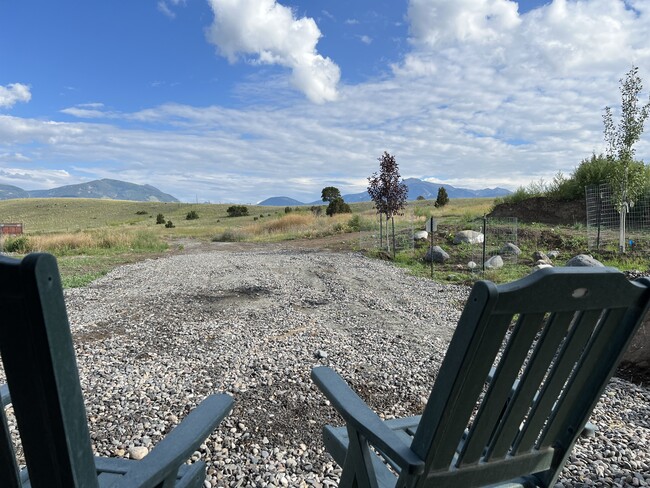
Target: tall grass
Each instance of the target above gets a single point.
(87, 242)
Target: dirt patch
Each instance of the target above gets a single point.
(543, 210)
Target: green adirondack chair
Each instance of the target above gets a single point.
(524, 370)
(44, 390)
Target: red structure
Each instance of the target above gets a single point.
(11, 229)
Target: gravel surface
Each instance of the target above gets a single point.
(155, 337)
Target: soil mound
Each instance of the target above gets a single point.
(543, 210)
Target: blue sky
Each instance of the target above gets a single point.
(237, 101)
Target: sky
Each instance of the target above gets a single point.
(240, 100)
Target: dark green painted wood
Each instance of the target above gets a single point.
(572, 329)
(41, 370)
(9, 473)
(526, 389)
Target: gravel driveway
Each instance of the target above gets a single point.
(155, 337)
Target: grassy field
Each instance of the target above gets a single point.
(90, 237)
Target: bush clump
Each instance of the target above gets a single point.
(169, 224)
(141, 212)
(192, 215)
(160, 219)
(237, 211)
(229, 235)
(337, 206)
(19, 244)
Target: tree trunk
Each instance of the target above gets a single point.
(392, 220)
(381, 232)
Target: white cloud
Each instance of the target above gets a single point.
(13, 93)
(34, 178)
(471, 105)
(13, 157)
(166, 7)
(270, 33)
(439, 22)
(365, 39)
(351, 21)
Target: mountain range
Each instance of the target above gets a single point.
(105, 188)
(416, 188)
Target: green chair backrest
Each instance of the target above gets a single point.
(525, 368)
(41, 370)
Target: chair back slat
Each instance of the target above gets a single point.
(462, 375)
(492, 406)
(560, 370)
(571, 328)
(587, 380)
(41, 370)
(523, 397)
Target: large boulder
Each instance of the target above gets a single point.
(437, 255)
(511, 249)
(583, 260)
(468, 237)
(494, 262)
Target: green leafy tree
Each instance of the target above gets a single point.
(443, 198)
(237, 211)
(387, 191)
(337, 206)
(330, 193)
(628, 176)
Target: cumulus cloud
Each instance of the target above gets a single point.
(13, 93)
(271, 34)
(440, 22)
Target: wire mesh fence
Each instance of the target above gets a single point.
(482, 239)
(604, 220)
(380, 234)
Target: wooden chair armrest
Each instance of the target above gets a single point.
(357, 414)
(5, 397)
(177, 446)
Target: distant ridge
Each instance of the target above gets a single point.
(280, 202)
(429, 191)
(416, 188)
(104, 188)
(8, 192)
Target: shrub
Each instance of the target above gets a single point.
(420, 197)
(355, 223)
(192, 215)
(160, 219)
(169, 224)
(288, 209)
(237, 211)
(337, 206)
(228, 235)
(141, 212)
(442, 199)
(19, 244)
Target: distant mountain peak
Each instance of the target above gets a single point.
(105, 188)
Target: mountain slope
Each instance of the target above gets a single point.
(8, 192)
(105, 188)
(429, 191)
(280, 202)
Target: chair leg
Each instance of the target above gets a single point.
(358, 469)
